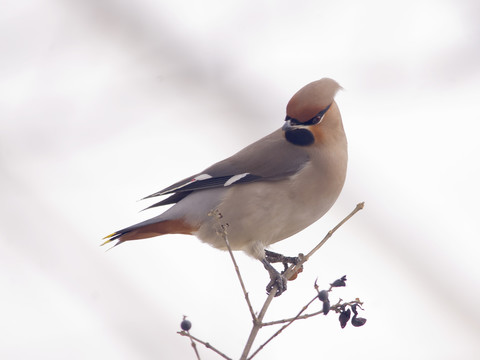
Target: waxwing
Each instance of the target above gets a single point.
(266, 192)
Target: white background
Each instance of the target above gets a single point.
(104, 102)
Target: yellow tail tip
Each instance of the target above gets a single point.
(105, 242)
(108, 239)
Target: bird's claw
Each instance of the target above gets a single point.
(278, 282)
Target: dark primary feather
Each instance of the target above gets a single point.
(176, 197)
(190, 184)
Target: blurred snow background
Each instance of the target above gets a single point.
(103, 102)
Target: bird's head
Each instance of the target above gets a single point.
(312, 107)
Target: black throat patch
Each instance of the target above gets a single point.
(300, 137)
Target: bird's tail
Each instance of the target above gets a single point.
(150, 228)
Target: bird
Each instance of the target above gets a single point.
(266, 192)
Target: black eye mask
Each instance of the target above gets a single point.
(301, 136)
(315, 120)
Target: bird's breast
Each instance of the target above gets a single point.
(261, 213)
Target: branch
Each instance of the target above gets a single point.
(206, 344)
(293, 269)
(194, 346)
(258, 324)
(304, 258)
(283, 327)
(301, 317)
(339, 306)
(223, 232)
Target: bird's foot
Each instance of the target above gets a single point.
(277, 280)
(273, 257)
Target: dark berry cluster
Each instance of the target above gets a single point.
(344, 308)
(345, 316)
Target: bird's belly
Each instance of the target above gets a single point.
(259, 214)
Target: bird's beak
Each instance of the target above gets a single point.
(287, 126)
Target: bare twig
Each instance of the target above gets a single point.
(283, 327)
(301, 317)
(194, 346)
(294, 268)
(359, 207)
(206, 344)
(336, 307)
(237, 270)
(258, 324)
(223, 232)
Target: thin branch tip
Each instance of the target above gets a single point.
(193, 340)
(223, 232)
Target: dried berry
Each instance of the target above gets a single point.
(354, 309)
(344, 317)
(358, 321)
(326, 307)
(295, 274)
(340, 282)
(323, 295)
(186, 325)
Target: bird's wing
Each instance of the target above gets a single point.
(269, 159)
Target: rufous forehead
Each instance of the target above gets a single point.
(312, 98)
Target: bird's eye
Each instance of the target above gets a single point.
(317, 118)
